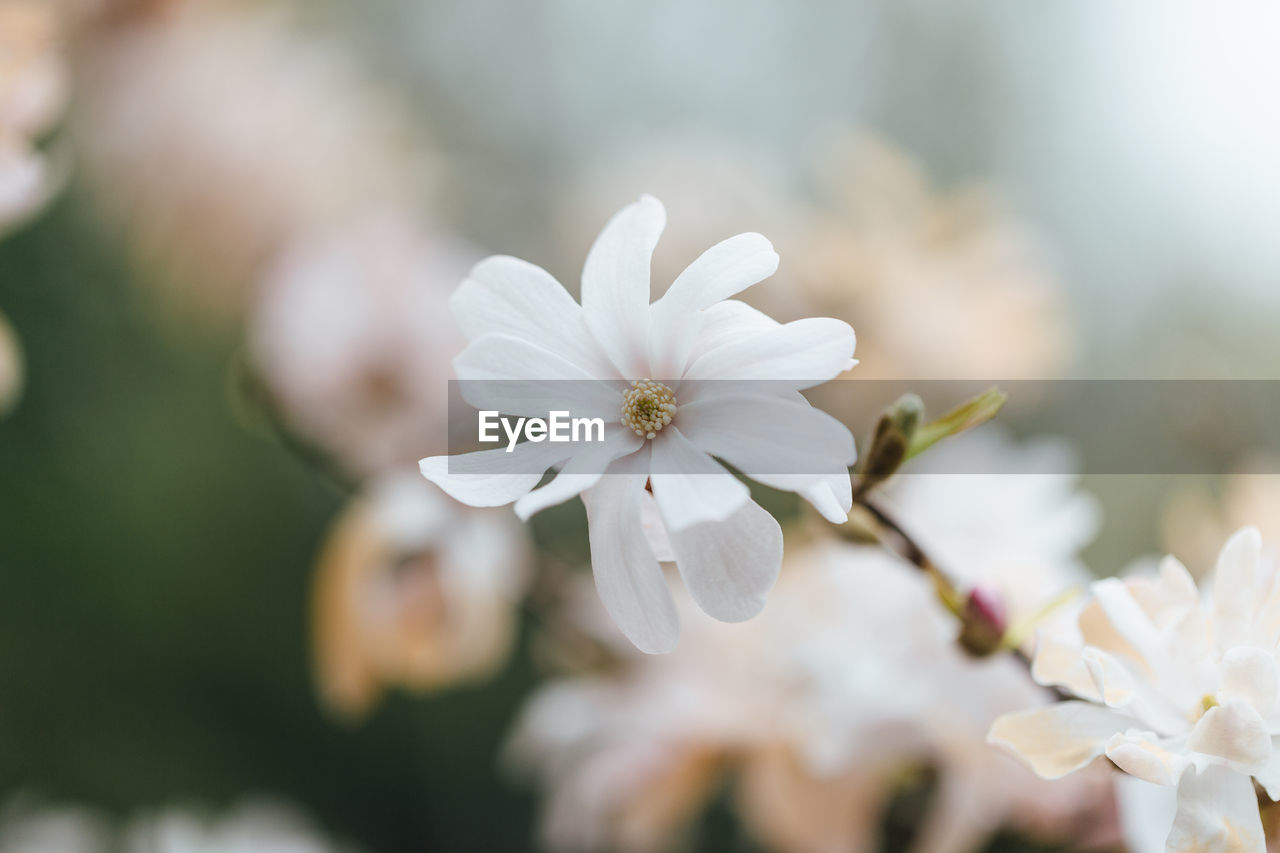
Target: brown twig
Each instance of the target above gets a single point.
(902, 543)
(908, 549)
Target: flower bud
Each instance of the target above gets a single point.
(891, 440)
(985, 621)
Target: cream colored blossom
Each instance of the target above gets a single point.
(218, 133)
(352, 340)
(948, 285)
(815, 714)
(819, 711)
(941, 284)
(413, 590)
(1176, 688)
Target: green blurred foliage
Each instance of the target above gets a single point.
(155, 561)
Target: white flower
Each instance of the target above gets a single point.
(414, 590)
(252, 827)
(1178, 689)
(523, 325)
(352, 340)
(219, 133)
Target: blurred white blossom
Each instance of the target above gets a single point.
(941, 284)
(29, 826)
(413, 590)
(352, 340)
(1197, 520)
(1028, 557)
(33, 94)
(34, 86)
(659, 438)
(711, 189)
(218, 133)
(253, 827)
(947, 285)
(1176, 688)
(819, 711)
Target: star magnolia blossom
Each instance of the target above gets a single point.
(414, 590)
(652, 489)
(1175, 689)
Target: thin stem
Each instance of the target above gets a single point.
(906, 547)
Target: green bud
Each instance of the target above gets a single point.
(966, 416)
(891, 441)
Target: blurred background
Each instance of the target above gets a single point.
(229, 608)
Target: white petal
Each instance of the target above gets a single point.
(1146, 813)
(1133, 624)
(1059, 663)
(690, 486)
(1177, 584)
(1120, 688)
(761, 434)
(832, 498)
(508, 296)
(1217, 813)
(655, 532)
(728, 321)
(1056, 740)
(493, 477)
(1232, 731)
(804, 353)
(515, 377)
(729, 566)
(722, 271)
(582, 471)
(1141, 755)
(831, 494)
(1250, 675)
(1235, 587)
(615, 285)
(628, 578)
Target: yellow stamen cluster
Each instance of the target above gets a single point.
(647, 407)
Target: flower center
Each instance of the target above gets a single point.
(647, 407)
